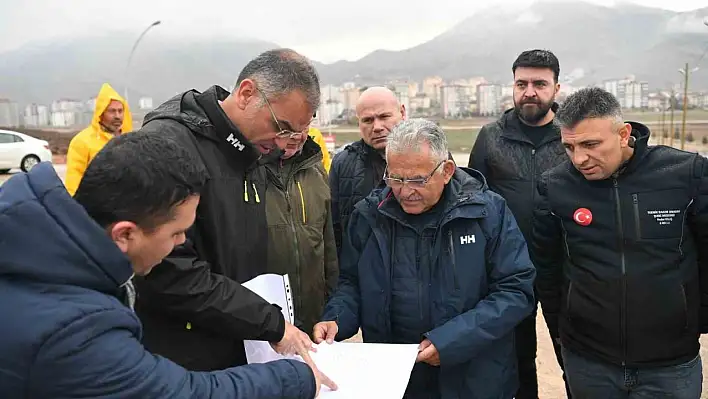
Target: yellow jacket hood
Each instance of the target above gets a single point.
(105, 96)
(317, 138)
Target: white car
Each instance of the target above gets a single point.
(21, 151)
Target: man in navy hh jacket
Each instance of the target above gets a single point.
(437, 259)
(65, 281)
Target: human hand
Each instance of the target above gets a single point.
(325, 331)
(320, 378)
(428, 353)
(295, 341)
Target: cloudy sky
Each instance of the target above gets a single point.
(321, 29)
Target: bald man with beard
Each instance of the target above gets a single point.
(359, 168)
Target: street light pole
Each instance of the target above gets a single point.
(685, 73)
(130, 57)
(671, 125)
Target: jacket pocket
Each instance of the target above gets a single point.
(659, 214)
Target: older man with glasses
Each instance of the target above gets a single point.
(435, 259)
(193, 307)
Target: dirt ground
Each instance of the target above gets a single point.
(550, 382)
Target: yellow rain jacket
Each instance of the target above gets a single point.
(87, 143)
(317, 138)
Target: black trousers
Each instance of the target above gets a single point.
(526, 348)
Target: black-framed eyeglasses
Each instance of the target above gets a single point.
(282, 133)
(394, 182)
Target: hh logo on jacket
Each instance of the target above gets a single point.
(235, 142)
(468, 239)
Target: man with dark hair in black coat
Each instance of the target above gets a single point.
(620, 243)
(512, 153)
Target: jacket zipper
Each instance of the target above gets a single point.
(567, 299)
(635, 203)
(295, 241)
(623, 300)
(533, 175)
(302, 202)
(454, 261)
(683, 289)
(683, 223)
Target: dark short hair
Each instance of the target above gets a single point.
(538, 59)
(281, 71)
(139, 177)
(587, 103)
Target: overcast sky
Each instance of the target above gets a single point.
(323, 30)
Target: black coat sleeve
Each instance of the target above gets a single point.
(698, 222)
(335, 212)
(478, 155)
(546, 249)
(184, 286)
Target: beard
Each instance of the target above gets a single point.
(532, 114)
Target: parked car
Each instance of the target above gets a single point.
(21, 151)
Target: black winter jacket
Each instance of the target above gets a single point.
(623, 262)
(193, 307)
(355, 172)
(512, 164)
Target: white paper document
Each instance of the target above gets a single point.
(360, 370)
(365, 370)
(275, 289)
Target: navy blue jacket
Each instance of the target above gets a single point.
(66, 333)
(479, 290)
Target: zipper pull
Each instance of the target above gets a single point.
(533, 151)
(255, 191)
(245, 190)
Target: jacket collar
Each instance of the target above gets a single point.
(230, 139)
(463, 197)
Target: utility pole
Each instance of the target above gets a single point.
(685, 73)
(661, 124)
(671, 124)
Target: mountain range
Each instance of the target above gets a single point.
(592, 42)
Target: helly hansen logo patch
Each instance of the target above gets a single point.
(235, 142)
(468, 239)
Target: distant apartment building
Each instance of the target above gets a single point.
(413, 89)
(489, 99)
(9, 113)
(432, 88)
(331, 93)
(401, 90)
(419, 103)
(507, 90)
(702, 100)
(36, 115)
(351, 97)
(67, 113)
(329, 110)
(145, 103)
(455, 100)
(630, 93)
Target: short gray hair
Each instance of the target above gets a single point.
(408, 135)
(588, 103)
(281, 71)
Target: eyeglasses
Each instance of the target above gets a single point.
(282, 133)
(412, 183)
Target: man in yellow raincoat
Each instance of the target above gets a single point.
(111, 118)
